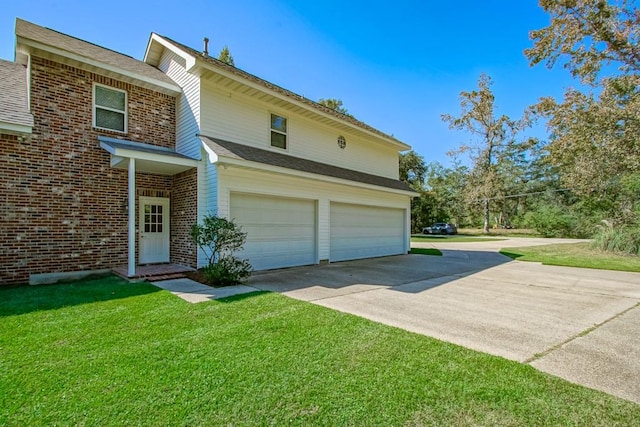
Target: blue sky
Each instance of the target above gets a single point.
(396, 65)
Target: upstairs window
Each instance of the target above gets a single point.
(109, 108)
(278, 131)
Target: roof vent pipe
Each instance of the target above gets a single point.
(206, 47)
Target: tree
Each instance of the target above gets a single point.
(588, 34)
(226, 57)
(412, 169)
(445, 187)
(493, 140)
(334, 104)
(595, 134)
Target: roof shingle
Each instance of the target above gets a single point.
(46, 36)
(14, 105)
(244, 152)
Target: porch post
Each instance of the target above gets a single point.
(131, 269)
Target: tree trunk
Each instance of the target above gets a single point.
(486, 216)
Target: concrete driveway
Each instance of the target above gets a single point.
(580, 324)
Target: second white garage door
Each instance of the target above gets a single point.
(281, 232)
(365, 231)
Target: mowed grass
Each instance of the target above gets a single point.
(455, 238)
(574, 255)
(106, 352)
(426, 251)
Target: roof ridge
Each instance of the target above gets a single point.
(33, 36)
(239, 71)
(80, 40)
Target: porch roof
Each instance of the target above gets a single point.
(149, 158)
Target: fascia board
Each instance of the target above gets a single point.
(155, 38)
(153, 157)
(15, 128)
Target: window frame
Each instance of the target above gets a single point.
(95, 107)
(272, 130)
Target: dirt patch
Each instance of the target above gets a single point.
(198, 276)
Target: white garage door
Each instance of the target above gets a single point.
(365, 231)
(281, 232)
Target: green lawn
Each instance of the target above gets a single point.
(426, 251)
(574, 255)
(455, 238)
(106, 352)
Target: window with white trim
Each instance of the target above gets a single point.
(278, 131)
(109, 108)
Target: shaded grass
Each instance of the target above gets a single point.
(143, 356)
(426, 251)
(456, 238)
(574, 255)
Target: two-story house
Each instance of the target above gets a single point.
(102, 141)
(125, 155)
(307, 183)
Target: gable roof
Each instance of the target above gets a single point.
(14, 102)
(291, 96)
(47, 42)
(232, 150)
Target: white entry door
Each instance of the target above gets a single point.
(154, 230)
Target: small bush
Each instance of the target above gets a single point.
(227, 271)
(621, 239)
(219, 238)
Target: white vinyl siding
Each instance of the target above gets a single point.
(281, 232)
(188, 104)
(237, 118)
(365, 231)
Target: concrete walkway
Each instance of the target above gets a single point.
(193, 292)
(582, 325)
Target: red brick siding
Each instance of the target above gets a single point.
(62, 203)
(183, 216)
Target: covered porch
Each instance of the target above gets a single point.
(149, 227)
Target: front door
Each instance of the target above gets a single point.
(154, 230)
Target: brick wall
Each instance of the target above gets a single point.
(62, 203)
(183, 215)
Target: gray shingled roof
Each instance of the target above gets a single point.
(241, 73)
(46, 36)
(139, 146)
(244, 152)
(14, 105)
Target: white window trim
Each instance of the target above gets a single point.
(126, 108)
(286, 134)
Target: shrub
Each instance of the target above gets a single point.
(551, 221)
(622, 238)
(227, 271)
(219, 238)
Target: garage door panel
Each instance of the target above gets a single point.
(365, 231)
(281, 232)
